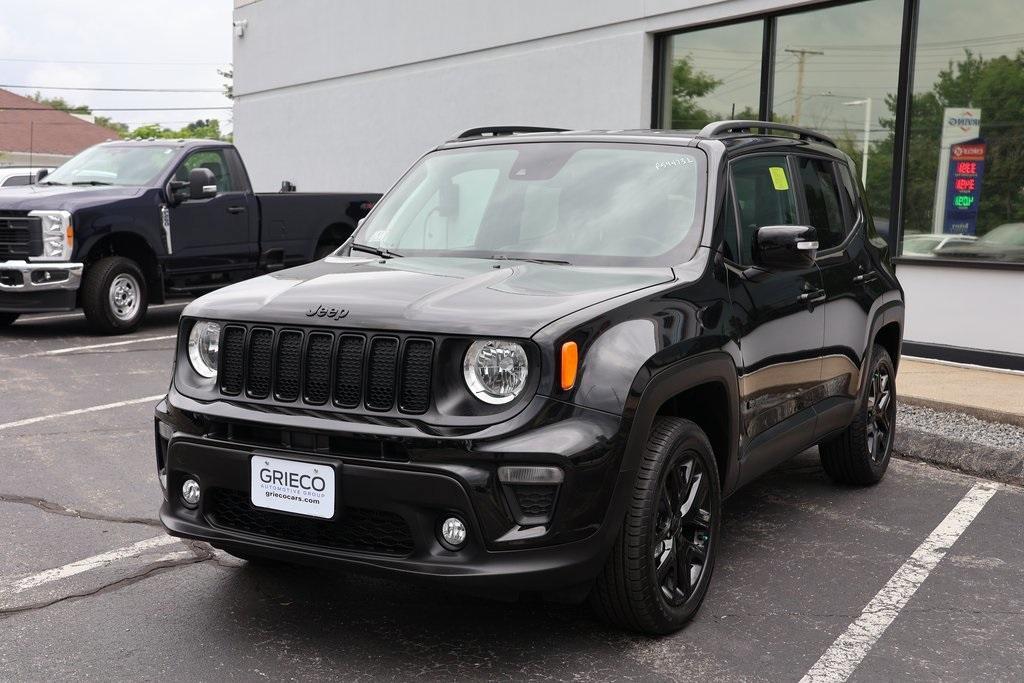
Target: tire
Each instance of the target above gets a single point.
(324, 250)
(860, 454)
(7, 319)
(629, 593)
(114, 295)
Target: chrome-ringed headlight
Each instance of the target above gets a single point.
(58, 235)
(495, 370)
(204, 347)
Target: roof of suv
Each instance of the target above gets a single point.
(730, 133)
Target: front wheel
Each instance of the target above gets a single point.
(860, 454)
(114, 295)
(659, 569)
(7, 319)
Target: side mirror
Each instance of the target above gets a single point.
(42, 173)
(201, 184)
(786, 246)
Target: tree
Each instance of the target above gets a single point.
(60, 104)
(207, 129)
(689, 84)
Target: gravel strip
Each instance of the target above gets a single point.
(961, 427)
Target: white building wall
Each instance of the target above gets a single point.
(344, 95)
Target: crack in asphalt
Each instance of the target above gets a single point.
(64, 511)
(200, 555)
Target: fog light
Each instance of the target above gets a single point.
(453, 532)
(190, 493)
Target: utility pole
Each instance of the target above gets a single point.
(801, 59)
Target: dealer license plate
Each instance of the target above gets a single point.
(302, 488)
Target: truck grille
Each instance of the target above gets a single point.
(379, 372)
(21, 236)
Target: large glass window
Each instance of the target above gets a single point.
(964, 191)
(712, 74)
(837, 72)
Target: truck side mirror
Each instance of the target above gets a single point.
(42, 173)
(201, 184)
(786, 246)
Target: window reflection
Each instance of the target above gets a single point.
(713, 74)
(965, 166)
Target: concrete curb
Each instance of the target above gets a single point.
(999, 464)
(980, 413)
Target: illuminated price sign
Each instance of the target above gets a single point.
(963, 192)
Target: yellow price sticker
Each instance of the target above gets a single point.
(779, 179)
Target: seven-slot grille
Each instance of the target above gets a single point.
(380, 372)
(20, 236)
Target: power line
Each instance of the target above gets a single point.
(53, 87)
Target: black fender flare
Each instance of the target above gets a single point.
(887, 312)
(703, 368)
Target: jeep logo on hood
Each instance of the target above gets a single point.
(324, 312)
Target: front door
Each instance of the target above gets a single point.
(211, 236)
(780, 324)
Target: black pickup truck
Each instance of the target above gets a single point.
(126, 224)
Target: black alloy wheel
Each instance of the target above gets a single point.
(683, 529)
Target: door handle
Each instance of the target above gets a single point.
(864, 278)
(812, 296)
(236, 209)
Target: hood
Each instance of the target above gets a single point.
(62, 197)
(437, 295)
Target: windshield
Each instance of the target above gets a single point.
(583, 203)
(113, 165)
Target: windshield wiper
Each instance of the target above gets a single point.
(50, 182)
(90, 182)
(503, 257)
(383, 253)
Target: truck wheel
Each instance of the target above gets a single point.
(860, 454)
(660, 566)
(114, 295)
(7, 319)
(324, 250)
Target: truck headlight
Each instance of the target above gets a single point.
(58, 235)
(495, 370)
(203, 347)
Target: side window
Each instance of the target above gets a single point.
(15, 180)
(764, 196)
(824, 207)
(214, 161)
(855, 210)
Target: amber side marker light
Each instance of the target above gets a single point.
(570, 363)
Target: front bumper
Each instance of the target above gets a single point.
(389, 509)
(38, 286)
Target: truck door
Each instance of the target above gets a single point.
(780, 328)
(212, 235)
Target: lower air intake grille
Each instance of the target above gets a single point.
(359, 529)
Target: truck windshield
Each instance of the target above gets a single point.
(575, 202)
(113, 165)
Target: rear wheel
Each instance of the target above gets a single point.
(324, 250)
(114, 295)
(860, 454)
(659, 569)
(7, 319)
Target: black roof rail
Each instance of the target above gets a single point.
(721, 128)
(506, 130)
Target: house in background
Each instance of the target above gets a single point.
(33, 134)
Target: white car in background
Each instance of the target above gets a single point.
(927, 245)
(14, 176)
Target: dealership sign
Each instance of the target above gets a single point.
(963, 191)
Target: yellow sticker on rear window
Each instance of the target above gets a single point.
(779, 179)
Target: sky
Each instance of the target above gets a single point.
(153, 44)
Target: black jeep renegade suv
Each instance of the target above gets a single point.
(542, 363)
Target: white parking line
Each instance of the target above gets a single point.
(73, 349)
(847, 652)
(23, 320)
(90, 563)
(80, 411)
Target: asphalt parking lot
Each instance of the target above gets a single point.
(921, 577)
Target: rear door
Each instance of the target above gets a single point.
(212, 235)
(835, 209)
(780, 328)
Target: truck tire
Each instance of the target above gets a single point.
(646, 584)
(7, 319)
(324, 250)
(114, 295)
(860, 454)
